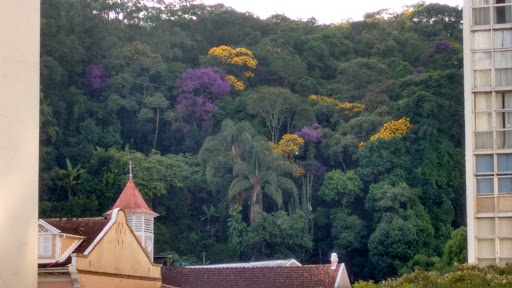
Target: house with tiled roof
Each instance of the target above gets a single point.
(275, 274)
(111, 251)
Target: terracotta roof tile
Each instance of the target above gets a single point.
(131, 200)
(89, 228)
(308, 276)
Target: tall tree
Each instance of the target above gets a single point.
(276, 106)
(261, 172)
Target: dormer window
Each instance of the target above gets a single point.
(44, 245)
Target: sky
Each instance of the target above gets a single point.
(325, 11)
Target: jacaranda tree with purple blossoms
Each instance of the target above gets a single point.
(312, 133)
(196, 91)
(95, 74)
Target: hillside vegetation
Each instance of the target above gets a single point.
(260, 138)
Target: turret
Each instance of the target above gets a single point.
(140, 217)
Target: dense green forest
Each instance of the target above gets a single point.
(260, 138)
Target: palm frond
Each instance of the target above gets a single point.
(275, 193)
(242, 169)
(238, 185)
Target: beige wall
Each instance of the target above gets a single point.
(96, 281)
(55, 284)
(118, 253)
(65, 243)
(19, 134)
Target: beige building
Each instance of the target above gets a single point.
(488, 117)
(111, 251)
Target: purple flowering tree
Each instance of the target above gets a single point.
(196, 91)
(312, 133)
(443, 45)
(202, 82)
(95, 74)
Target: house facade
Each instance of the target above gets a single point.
(111, 251)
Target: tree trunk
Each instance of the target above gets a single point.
(156, 128)
(256, 206)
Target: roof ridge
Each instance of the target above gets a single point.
(74, 218)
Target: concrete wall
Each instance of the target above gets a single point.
(19, 139)
(118, 260)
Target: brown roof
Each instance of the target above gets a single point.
(131, 200)
(308, 276)
(89, 228)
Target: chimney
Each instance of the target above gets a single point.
(334, 260)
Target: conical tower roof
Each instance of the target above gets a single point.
(131, 200)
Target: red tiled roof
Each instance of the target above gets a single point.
(89, 228)
(131, 200)
(308, 276)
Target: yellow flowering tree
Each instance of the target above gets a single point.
(392, 128)
(287, 147)
(349, 109)
(238, 63)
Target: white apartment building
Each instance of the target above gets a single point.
(488, 117)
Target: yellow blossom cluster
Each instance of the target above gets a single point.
(223, 53)
(300, 171)
(347, 108)
(238, 56)
(322, 99)
(288, 145)
(243, 61)
(394, 129)
(237, 85)
(248, 74)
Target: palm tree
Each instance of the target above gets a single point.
(71, 174)
(220, 152)
(260, 172)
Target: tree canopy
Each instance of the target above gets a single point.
(260, 138)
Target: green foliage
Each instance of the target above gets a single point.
(278, 236)
(276, 106)
(109, 73)
(237, 228)
(455, 250)
(390, 245)
(342, 187)
(80, 206)
(347, 232)
(461, 276)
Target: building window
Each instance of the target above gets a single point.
(483, 121)
(486, 240)
(481, 40)
(44, 245)
(481, 16)
(502, 39)
(481, 12)
(502, 12)
(504, 120)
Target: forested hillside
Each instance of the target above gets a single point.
(259, 139)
